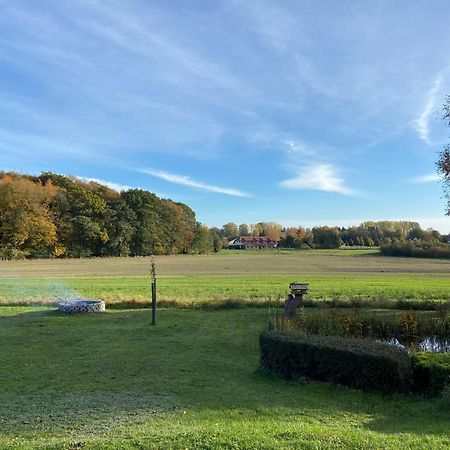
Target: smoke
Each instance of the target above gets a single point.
(35, 291)
(58, 289)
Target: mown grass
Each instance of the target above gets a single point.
(194, 290)
(113, 381)
(248, 277)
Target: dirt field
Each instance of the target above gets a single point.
(231, 263)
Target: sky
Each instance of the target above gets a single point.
(298, 112)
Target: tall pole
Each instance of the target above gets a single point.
(153, 274)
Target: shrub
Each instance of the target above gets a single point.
(431, 371)
(417, 249)
(359, 363)
(444, 401)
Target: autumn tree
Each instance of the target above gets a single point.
(269, 229)
(26, 227)
(79, 212)
(63, 216)
(179, 226)
(297, 238)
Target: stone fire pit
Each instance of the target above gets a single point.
(81, 306)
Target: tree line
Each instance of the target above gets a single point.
(52, 215)
(368, 234)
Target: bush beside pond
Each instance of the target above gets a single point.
(359, 363)
(431, 371)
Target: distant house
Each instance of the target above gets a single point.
(252, 243)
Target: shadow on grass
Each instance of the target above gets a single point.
(81, 372)
(92, 413)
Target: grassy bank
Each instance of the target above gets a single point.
(251, 277)
(112, 381)
(193, 289)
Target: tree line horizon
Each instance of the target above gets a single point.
(53, 215)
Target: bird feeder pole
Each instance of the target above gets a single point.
(153, 277)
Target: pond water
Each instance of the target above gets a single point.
(428, 344)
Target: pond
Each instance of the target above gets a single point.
(416, 331)
(432, 344)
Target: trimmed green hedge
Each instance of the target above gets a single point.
(431, 371)
(359, 363)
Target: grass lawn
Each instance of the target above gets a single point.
(248, 276)
(113, 381)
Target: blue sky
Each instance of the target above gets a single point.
(299, 112)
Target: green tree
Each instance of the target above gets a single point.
(87, 237)
(119, 219)
(230, 230)
(244, 229)
(443, 163)
(78, 211)
(148, 236)
(216, 241)
(202, 242)
(327, 237)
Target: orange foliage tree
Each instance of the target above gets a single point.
(26, 225)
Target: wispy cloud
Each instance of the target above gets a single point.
(271, 22)
(321, 177)
(130, 31)
(298, 148)
(115, 186)
(428, 178)
(421, 123)
(187, 181)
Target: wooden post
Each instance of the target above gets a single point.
(154, 302)
(153, 275)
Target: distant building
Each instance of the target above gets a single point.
(252, 243)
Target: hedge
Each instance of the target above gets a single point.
(431, 371)
(359, 363)
(417, 249)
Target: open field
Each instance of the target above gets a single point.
(112, 381)
(254, 277)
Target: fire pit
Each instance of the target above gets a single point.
(81, 306)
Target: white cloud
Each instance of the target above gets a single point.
(428, 178)
(421, 123)
(298, 148)
(321, 177)
(115, 186)
(187, 181)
